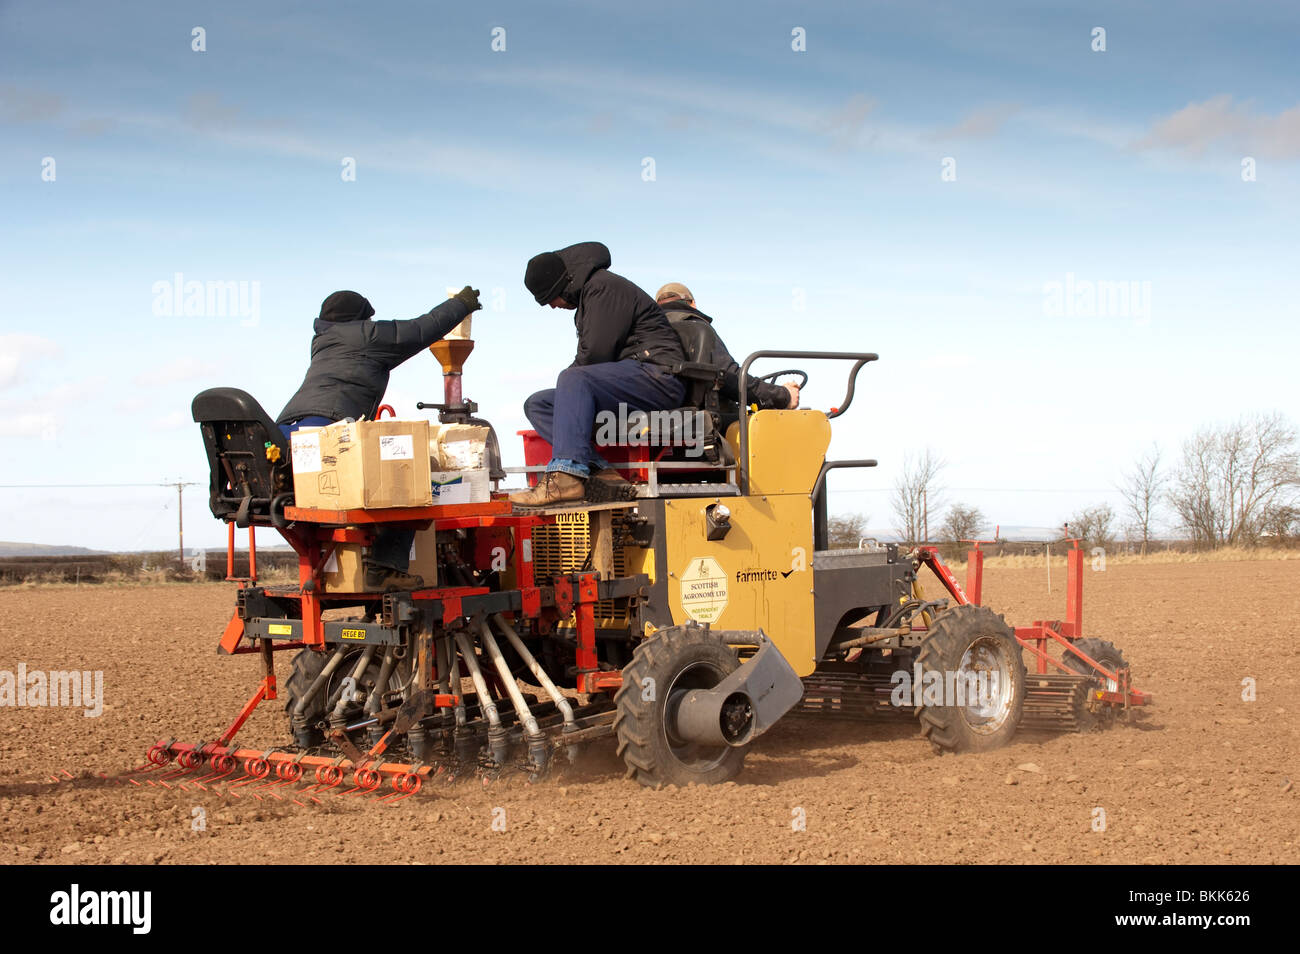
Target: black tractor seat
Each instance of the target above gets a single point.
(250, 472)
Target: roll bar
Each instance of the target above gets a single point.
(858, 358)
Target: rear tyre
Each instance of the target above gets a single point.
(672, 661)
(306, 666)
(1090, 717)
(980, 678)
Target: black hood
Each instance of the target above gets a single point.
(582, 261)
(345, 306)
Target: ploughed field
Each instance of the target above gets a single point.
(1202, 777)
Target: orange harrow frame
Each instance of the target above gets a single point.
(1036, 637)
(314, 535)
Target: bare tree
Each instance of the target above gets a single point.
(917, 495)
(1233, 478)
(1092, 526)
(845, 531)
(1143, 488)
(961, 523)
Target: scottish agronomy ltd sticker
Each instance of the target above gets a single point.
(704, 590)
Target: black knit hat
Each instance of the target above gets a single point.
(345, 306)
(546, 277)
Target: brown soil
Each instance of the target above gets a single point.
(1202, 777)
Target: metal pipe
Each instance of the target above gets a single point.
(358, 671)
(507, 677)
(536, 669)
(537, 752)
(496, 732)
(385, 673)
(301, 705)
(480, 684)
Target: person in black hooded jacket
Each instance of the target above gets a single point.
(351, 358)
(626, 350)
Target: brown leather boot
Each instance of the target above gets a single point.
(555, 487)
(610, 476)
(386, 579)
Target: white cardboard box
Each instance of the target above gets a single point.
(461, 486)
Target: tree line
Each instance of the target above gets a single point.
(1233, 484)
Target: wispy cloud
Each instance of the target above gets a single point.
(16, 351)
(1222, 123)
(981, 123)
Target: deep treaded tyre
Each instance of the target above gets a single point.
(1109, 655)
(968, 640)
(674, 659)
(306, 666)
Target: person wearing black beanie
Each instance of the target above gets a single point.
(626, 353)
(351, 357)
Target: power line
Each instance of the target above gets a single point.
(169, 483)
(991, 490)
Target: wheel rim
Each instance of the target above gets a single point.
(692, 755)
(995, 692)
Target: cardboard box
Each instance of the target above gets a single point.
(344, 571)
(461, 486)
(361, 465)
(458, 447)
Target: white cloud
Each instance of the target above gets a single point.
(981, 123)
(16, 351)
(1219, 122)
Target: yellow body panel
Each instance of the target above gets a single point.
(758, 577)
(786, 450)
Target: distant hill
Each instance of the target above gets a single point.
(42, 549)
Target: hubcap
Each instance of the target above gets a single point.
(986, 674)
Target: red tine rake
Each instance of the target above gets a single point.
(270, 773)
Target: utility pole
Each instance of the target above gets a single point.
(180, 520)
(925, 514)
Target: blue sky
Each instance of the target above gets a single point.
(799, 194)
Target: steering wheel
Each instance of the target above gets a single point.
(803, 376)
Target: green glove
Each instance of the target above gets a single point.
(470, 297)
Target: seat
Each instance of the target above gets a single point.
(249, 467)
(691, 432)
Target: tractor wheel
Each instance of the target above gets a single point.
(1109, 656)
(967, 644)
(672, 661)
(306, 666)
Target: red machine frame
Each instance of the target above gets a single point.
(1036, 637)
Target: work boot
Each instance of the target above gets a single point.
(608, 486)
(386, 579)
(611, 476)
(555, 487)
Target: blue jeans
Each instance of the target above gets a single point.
(565, 415)
(392, 547)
